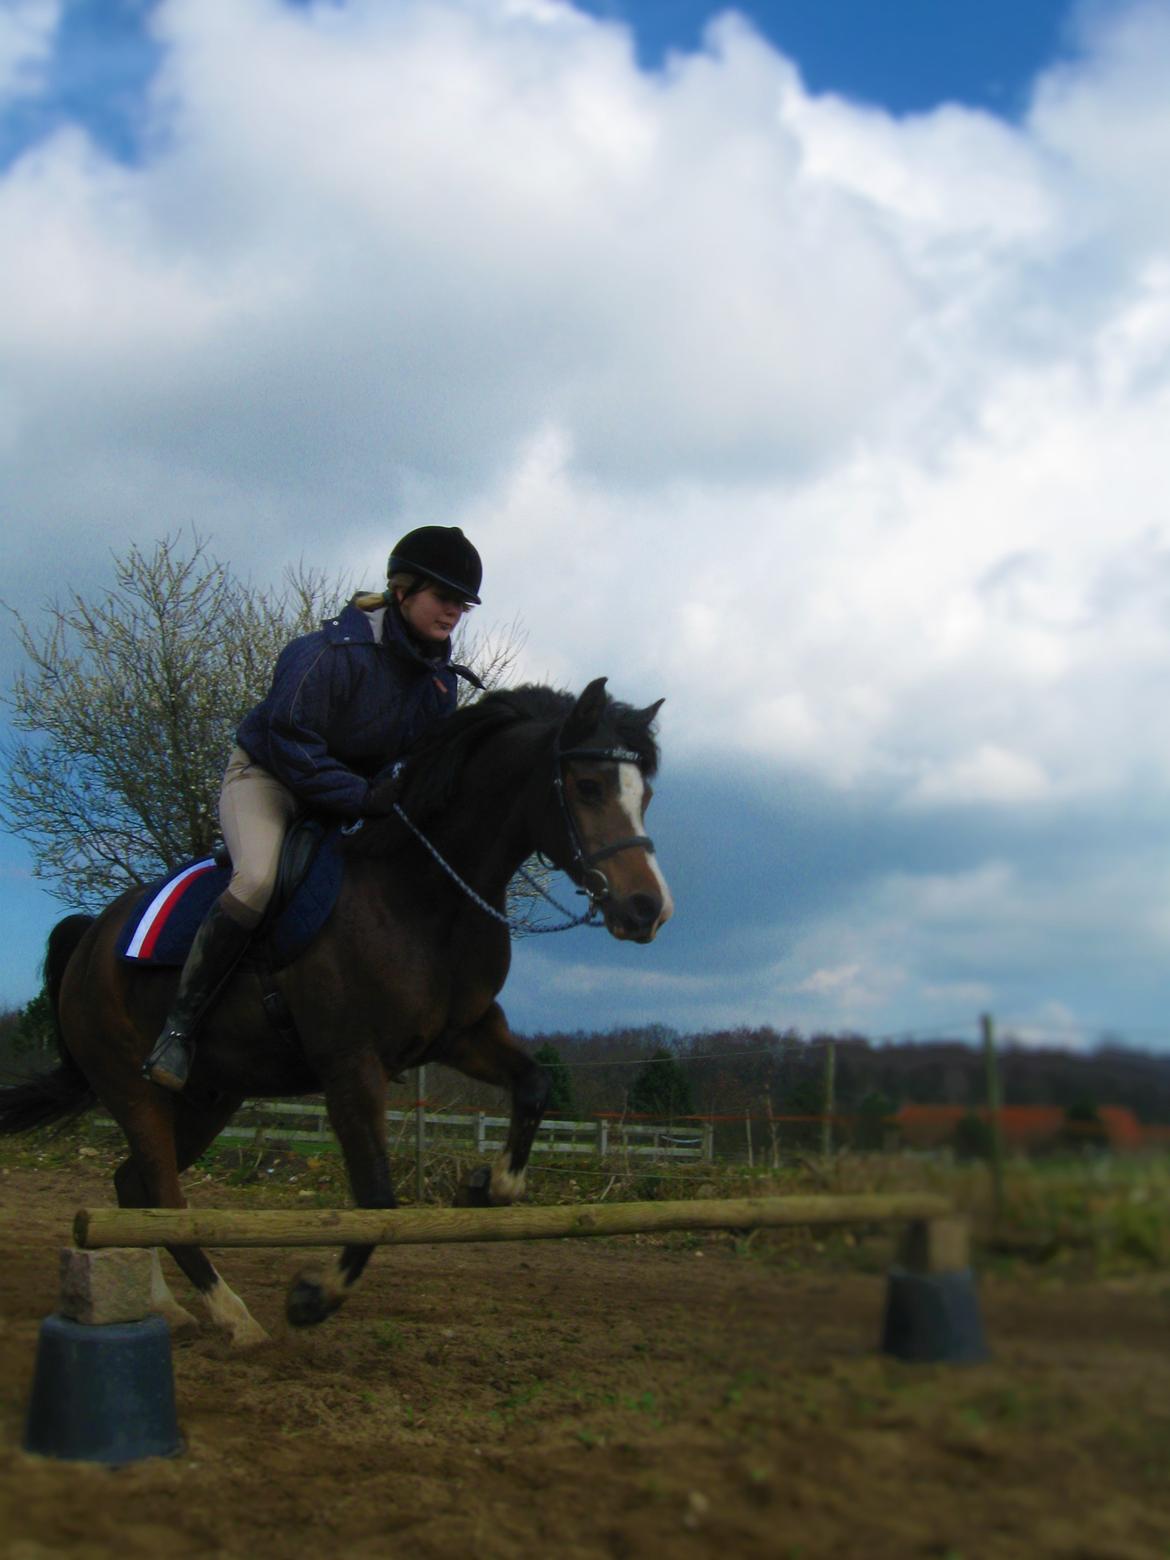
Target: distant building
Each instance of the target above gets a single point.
(1027, 1128)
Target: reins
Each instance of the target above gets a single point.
(588, 919)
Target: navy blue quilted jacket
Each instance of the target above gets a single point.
(343, 705)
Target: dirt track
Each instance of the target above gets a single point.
(608, 1398)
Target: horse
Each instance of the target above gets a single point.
(406, 971)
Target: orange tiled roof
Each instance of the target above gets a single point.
(1023, 1126)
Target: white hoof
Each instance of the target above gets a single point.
(506, 1187)
(229, 1312)
(248, 1335)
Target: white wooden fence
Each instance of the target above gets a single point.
(281, 1123)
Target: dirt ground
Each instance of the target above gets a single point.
(681, 1397)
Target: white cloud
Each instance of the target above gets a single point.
(27, 28)
(986, 774)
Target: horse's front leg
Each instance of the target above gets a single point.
(166, 1136)
(488, 1052)
(356, 1102)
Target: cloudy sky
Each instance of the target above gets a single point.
(807, 365)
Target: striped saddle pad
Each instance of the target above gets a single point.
(162, 925)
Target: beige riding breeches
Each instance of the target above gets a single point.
(255, 811)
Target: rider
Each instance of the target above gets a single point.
(344, 703)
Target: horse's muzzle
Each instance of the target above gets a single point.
(635, 917)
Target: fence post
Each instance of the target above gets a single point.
(420, 1133)
(994, 1104)
(829, 1098)
(708, 1141)
(772, 1129)
(602, 1138)
(747, 1121)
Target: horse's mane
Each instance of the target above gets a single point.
(436, 761)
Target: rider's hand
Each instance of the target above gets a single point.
(380, 798)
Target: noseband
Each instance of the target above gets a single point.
(594, 882)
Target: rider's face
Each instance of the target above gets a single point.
(432, 613)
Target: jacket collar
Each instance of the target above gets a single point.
(353, 626)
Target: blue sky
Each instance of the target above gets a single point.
(807, 365)
(909, 57)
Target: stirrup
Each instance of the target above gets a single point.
(169, 1064)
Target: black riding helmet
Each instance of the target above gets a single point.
(443, 554)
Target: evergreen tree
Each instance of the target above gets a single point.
(560, 1094)
(662, 1088)
(872, 1120)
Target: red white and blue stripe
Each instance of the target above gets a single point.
(160, 909)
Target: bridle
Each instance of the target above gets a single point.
(594, 882)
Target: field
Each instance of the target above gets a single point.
(690, 1396)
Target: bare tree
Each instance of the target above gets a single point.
(127, 709)
(124, 716)
(491, 654)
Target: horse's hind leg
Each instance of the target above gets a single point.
(488, 1052)
(160, 1145)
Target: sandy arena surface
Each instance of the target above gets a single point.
(624, 1397)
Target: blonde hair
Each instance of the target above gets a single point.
(370, 600)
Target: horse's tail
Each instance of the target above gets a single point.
(65, 1092)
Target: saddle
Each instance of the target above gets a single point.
(163, 924)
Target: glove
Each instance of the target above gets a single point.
(380, 798)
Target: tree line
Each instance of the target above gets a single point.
(751, 1071)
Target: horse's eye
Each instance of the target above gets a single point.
(589, 790)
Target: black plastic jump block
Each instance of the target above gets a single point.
(933, 1317)
(103, 1394)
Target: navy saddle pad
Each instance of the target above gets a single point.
(163, 923)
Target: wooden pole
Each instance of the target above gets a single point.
(99, 1227)
(994, 1107)
(827, 1104)
(420, 1135)
(772, 1129)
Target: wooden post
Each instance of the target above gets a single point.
(829, 1098)
(747, 1122)
(602, 1138)
(772, 1130)
(420, 1134)
(994, 1107)
(480, 1131)
(708, 1141)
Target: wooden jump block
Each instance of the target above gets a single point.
(99, 1288)
(941, 1245)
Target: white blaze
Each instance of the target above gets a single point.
(632, 788)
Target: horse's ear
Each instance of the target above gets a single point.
(585, 716)
(647, 715)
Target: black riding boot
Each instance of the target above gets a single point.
(214, 954)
